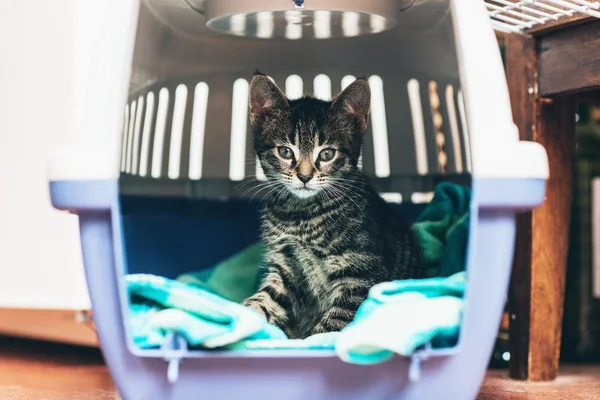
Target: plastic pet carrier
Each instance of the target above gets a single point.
(164, 179)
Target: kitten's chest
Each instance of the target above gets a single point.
(313, 270)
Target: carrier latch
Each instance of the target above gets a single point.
(414, 369)
(174, 348)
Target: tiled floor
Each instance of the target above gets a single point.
(41, 371)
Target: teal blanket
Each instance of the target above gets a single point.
(204, 308)
(433, 306)
(442, 230)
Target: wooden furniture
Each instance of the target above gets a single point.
(549, 68)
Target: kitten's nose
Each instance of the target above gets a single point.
(304, 178)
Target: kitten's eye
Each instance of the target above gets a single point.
(327, 154)
(285, 152)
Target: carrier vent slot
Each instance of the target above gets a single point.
(322, 87)
(147, 134)
(124, 139)
(416, 112)
(136, 135)
(346, 80)
(159, 132)
(197, 130)
(238, 24)
(392, 197)
(239, 123)
(379, 128)
(465, 129)
(453, 125)
(420, 197)
(294, 87)
(132, 123)
(264, 24)
(293, 29)
(181, 94)
(322, 25)
(259, 173)
(350, 24)
(438, 126)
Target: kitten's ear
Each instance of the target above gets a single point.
(265, 97)
(354, 102)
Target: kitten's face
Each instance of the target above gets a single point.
(308, 145)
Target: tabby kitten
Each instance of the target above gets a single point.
(329, 236)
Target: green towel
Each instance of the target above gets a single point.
(442, 230)
(234, 278)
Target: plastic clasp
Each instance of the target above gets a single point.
(414, 369)
(299, 3)
(175, 348)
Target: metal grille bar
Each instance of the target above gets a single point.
(519, 15)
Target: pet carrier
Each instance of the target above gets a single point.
(168, 191)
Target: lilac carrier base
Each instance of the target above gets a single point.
(302, 375)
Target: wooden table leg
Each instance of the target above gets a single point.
(536, 294)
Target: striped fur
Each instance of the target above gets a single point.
(329, 238)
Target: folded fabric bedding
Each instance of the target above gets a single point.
(398, 317)
(442, 230)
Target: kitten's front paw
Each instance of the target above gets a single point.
(254, 304)
(329, 325)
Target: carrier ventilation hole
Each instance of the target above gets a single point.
(322, 87)
(377, 23)
(379, 128)
(438, 126)
(124, 138)
(239, 122)
(143, 167)
(197, 130)
(159, 132)
(453, 122)
(421, 197)
(350, 24)
(136, 135)
(392, 197)
(347, 80)
(322, 25)
(465, 129)
(294, 87)
(264, 25)
(132, 122)
(259, 173)
(181, 95)
(416, 113)
(238, 24)
(293, 30)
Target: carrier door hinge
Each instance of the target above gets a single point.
(175, 348)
